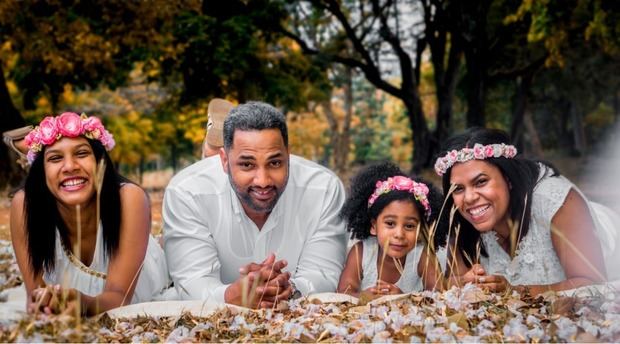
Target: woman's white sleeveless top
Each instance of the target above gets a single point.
(409, 281)
(70, 272)
(536, 261)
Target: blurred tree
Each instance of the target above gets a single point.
(356, 34)
(232, 50)
(582, 43)
(80, 43)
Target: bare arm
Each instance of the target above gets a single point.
(351, 276)
(124, 268)
(576, 244)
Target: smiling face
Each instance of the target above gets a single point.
(257, 167)
(396, 228)
(69, 166)
(482, 194)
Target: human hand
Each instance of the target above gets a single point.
(53, 299)
(473, 275)
(384, 288)
(270, 263)
(495, 283)
(260, 285)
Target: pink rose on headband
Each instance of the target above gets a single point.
(402, 183)
(69, 124)
(479, 151)
(48, 133)
(91, 123)
(510, 151)
(488, 151)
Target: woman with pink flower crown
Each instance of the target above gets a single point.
(519, 224)
(80, 231)
(391, 215)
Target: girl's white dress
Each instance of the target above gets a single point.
(70, 272)
(409, 281)
(536, 261)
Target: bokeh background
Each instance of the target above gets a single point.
(359, 81)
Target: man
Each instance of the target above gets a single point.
(217, 111)
(254, 226)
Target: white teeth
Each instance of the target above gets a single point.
(73, 182)
(478, 211)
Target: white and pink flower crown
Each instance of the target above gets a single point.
(479, 152)
(68, 124)
(402, 183)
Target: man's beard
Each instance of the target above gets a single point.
(247, 200)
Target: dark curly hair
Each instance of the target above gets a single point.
(356, 212)
(522, 174)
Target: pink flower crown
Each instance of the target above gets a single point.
(402, 183)
(479, 152)
(68, 124)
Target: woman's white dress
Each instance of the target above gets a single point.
(536, 261)
(409, 281)
(70, 272)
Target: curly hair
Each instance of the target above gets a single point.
(356, 212)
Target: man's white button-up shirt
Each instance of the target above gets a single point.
(208, 236)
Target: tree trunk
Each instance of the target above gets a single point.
(342, 153)
(616, 106)
(10, 118)
(445, 93)
(518, 114)
(535, 147)
(578, 131)
(339, 134)
(419, 133)
(475, 91)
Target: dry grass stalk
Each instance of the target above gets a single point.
(359, 264)
(478, 250)
(384, 254)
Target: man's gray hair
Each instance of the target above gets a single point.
(253, 116)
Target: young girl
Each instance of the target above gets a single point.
(80, 231)
(390, 213)
(526, 225)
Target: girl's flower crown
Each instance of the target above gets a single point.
(419, 191)
(68, 124)
(479, 152)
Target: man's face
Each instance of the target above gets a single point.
(257, 166)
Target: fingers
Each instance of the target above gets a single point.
(275, 286)
(384, 288)
(496, 283)
(477, 269)
(246, 269)
(271, 258)
(267, 274)
(273, 295)
(269, 263)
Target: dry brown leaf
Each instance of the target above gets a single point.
(563, 305)
(460, 319)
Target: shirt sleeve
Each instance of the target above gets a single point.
(322, 257)
(190, 249)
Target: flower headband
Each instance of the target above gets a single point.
(419, 191)
(68, 124)
(479, 152)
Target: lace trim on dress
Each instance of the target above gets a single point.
(73, 259)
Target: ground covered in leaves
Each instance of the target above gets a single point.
(462, 315)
